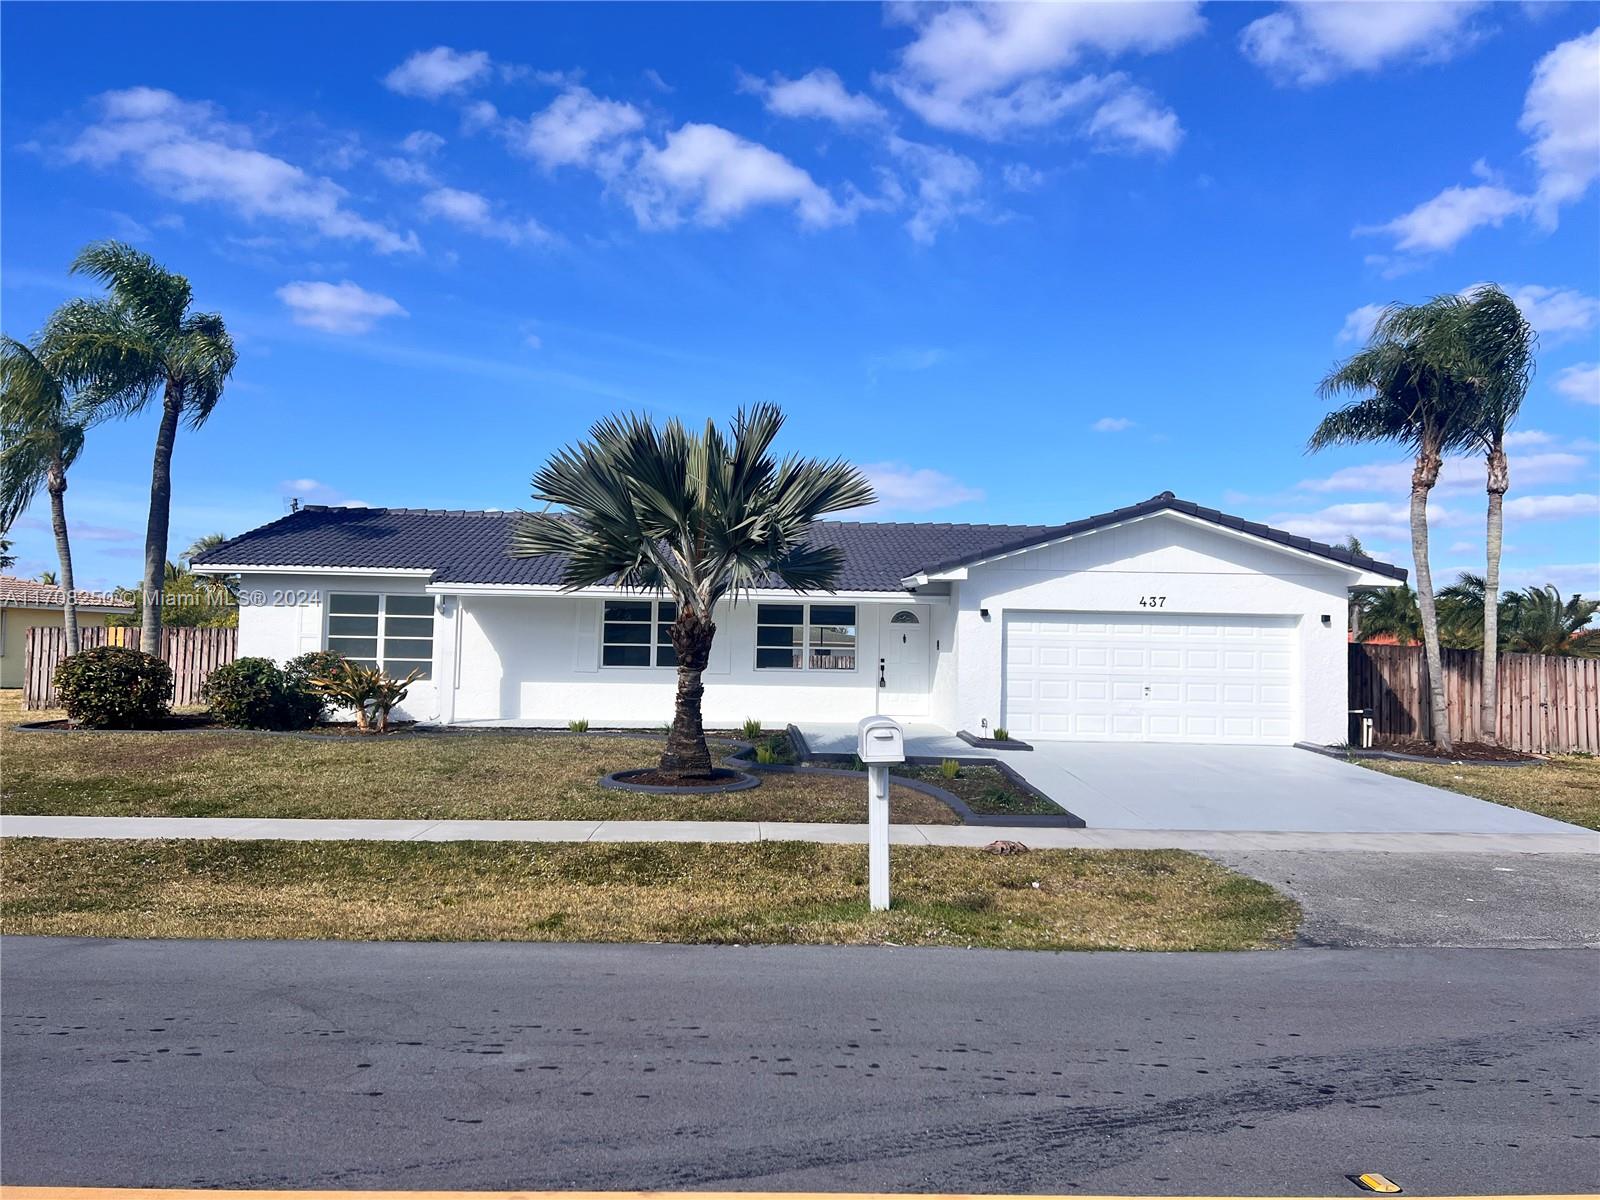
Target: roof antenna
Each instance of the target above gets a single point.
(294, 504)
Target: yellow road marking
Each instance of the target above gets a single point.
(90, 1193)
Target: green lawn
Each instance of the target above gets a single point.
(512, 776)
(766, 892)
(1566, 787)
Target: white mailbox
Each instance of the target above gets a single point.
(880, 740)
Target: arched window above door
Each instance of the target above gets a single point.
(904, 617)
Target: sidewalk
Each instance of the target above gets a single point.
(257, 829)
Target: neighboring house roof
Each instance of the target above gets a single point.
(469, 547)
(30, 593)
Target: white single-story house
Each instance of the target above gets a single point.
(1162, 621)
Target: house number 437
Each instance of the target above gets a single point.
(1152, 601)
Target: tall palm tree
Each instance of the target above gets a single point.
(1407, 394)
(1496, 344)
(41, 435)
(138, 342)
(701, 516)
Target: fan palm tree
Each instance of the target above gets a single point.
(701, 516)
(1406, 394)
(1496, 344)
(41, 432)
(122, 351)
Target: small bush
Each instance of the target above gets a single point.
(766, 755)
(950, 768)
(252, 693)
(115, 687)
(751, 729)
(775, 750)
(302, 670)
(1002, 734)
(366, 691)
(581, 725)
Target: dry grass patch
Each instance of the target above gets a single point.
(1566, 788)
(446, 776)
(767, 892)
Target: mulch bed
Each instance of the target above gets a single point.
(1460, 752)
(176, 723)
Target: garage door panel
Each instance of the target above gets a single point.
(1140, 677)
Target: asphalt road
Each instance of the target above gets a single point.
(271, 1064)
(1535, 901)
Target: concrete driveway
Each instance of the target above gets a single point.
(1256, 788)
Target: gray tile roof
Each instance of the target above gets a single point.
(470, 547)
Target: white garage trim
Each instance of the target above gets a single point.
(1159, 677)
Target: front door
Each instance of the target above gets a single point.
(903, 649)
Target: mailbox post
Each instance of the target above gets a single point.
(880, 741)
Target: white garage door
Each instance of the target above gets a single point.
(1149, 678)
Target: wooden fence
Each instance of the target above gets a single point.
(191, 653)
(1548, 705)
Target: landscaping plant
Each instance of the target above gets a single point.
(115, 687)
(751, 729)
(366, 691)
(253, 693)
(581, 725)
(950, 768)
(700, 516)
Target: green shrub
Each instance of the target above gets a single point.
(581, 725)
(1002, 734)
(252, 693)
(366, 691)
(751, 729)
(766, 755)
(950, 768)
(115, 687)
(775, 750)
(302, 670)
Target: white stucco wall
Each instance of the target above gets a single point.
(538, 660)
(1199, 570)
(281, 616)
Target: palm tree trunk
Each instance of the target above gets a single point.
(1499, 482)
(155, 537)
(1423, 477)
(687, 753)
(56, 485)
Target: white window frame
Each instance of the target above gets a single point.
(383, 620)
(806, 625)
(654, 644)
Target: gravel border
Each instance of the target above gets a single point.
(1346, 753)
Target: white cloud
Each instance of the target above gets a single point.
(406, 171)
(1439, 223)
(422, 142)
(1562, 116)
(708, 175)
(1360, 322)
(944, 184)
(438, 72)
(1458, 475)
(1528, 437)
(1580, 382)
(314, 491)
(337, 307)
(916, 489)
(1312, 41)
(186, 150)
(1369, 521)
(1556, 312)
(1132, 119)
(471, 211)
(994, 69)
(820, 93)
(575, 129)
(1020, 177)
(1552, 508)
(1112, 424)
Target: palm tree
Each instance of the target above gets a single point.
(123, 350)
(1387, 612)
(1540, 622)
(1406, 394)
(700, 516)
(41, 431)
(1497, 346)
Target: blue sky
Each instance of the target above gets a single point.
(1024, 263)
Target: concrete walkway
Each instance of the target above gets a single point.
(297, 829)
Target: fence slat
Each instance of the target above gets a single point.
(1546, 704)
(191, 653)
